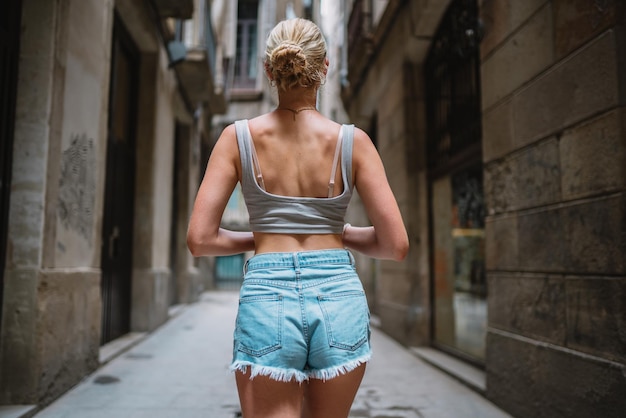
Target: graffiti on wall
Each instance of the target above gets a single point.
(77, 186)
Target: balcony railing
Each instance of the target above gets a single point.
(359, 25)
(197, 71)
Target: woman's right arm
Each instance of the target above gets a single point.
(204, 235)
(387, 238)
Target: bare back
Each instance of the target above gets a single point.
(296, 159)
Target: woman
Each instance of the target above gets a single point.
(302, 330)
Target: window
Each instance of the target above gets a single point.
(308, 9)
(246, 54)
(457, 208)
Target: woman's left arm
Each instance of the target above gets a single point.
(204, 235)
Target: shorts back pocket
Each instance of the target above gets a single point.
(346, 316)
(258, 329)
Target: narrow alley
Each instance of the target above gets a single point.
(181, 371)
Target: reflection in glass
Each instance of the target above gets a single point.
(459, 267)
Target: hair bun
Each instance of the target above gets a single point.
(288, 58)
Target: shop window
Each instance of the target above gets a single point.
(455, 171)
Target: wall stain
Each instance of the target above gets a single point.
(77, 186)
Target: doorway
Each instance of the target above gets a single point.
(10, 17)
(117, 226)
(455, 179)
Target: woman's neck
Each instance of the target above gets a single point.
(297, 99)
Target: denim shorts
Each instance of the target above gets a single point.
(301, 316)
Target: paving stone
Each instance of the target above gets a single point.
(181, 370)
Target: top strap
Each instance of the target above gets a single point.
(333, 173)
(255, 160)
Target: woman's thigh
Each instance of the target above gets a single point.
(263, 397)
(332, 398)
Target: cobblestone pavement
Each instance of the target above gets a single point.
(181, 371)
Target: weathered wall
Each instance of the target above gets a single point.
(390, 95)
(554, 145)
(52, 297)
(51, 321)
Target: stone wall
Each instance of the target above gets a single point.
(51, 307)
(554, 144)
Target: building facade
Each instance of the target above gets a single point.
(106, 106)
(501, 125)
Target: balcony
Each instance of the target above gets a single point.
(360, 40)
(197, 80)
(194, 59)
(179, 9)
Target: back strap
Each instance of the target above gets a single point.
(333, 173)
(255, 160)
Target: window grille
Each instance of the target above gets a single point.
(452, 72)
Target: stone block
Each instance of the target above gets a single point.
(395, 285)
(529, 305)
(70, 320)
(497, 128)
(393, 320)
(20, 364)
(500, 186)
(503, 17)
(593, 156)
(582, 85)
(533, 379)
(596, 316)
(150, 299)
(538, 175)
(529, 178)
(542, 241)
(595, 236)
(519, 58)
(578, 21)
(501, 243)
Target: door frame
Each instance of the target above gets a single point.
(453, 144)
(9, 70)
(120, 39)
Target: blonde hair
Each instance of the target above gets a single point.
(295, 54)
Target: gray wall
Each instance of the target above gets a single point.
(554, 142)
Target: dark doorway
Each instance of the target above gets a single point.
(117, 226)
(179, 193)
(10, 16)
(455, 175)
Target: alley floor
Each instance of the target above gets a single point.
(181, 371)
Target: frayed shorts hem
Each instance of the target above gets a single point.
(288, 375)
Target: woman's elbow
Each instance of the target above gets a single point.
(401, 249)
(401, 252)
(194, 244)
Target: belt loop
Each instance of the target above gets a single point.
(245, 267)
(296, 261)
(352, 262)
